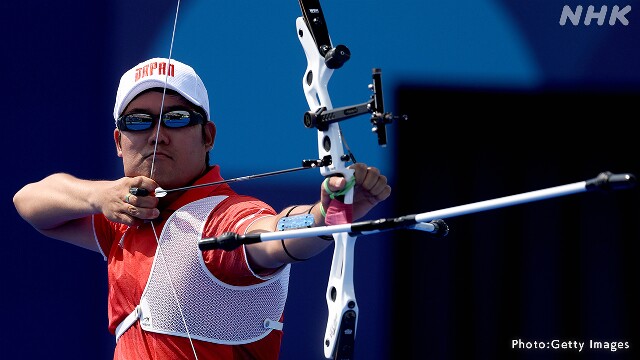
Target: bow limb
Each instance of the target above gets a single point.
(340, 296)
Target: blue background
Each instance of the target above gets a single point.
(62, 61)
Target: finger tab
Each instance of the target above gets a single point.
(138, 191)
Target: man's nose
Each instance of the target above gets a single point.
(158, 135)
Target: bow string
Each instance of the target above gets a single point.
(155, 148)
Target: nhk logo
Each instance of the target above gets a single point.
(617, 14)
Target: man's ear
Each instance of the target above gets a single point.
(209, 134)
(116, 138)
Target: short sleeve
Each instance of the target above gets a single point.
(234, 214)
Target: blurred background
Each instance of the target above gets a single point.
(501, 99)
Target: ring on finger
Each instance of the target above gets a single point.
(126, 199)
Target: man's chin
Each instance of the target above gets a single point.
(167, 179)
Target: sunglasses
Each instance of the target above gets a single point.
(173, 119)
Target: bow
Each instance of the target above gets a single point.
(322, 59)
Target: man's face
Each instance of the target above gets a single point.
(179, 154)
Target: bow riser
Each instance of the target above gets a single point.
(341, 301)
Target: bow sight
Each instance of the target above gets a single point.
(321, 118)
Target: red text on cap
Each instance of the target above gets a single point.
(148, 70)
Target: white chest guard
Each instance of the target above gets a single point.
(213, 311)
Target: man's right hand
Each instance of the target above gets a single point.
(119, 205)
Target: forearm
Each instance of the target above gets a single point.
(299, 249)
(57, 199)
(275, 253)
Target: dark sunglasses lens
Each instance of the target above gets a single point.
(138, 122)
(176, 119)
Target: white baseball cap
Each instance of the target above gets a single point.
(153, 74)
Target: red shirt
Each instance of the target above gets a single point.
(130, 253)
